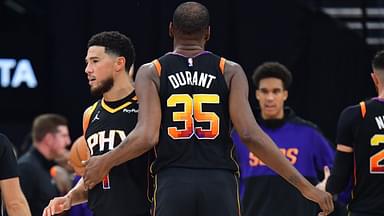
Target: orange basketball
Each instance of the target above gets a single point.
(79, 152)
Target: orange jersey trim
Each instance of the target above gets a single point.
(87, 115)
(363, 108)
(222, 64)
(157, 66)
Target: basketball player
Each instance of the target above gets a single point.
(123, 191)
(187, 99)
(360, 150)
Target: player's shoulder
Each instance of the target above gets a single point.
(232, 68)
(91, 108)
(150, 68)
(231, 64)
(4, 141)
(353, 111)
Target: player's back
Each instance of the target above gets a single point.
(195, 121)
(368, 192)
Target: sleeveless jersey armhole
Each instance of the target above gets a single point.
(222, 64)
(363, 109)
(157, 66)
(87, 115)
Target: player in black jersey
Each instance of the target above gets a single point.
(123, 191)
(360, 150)
(188, 99)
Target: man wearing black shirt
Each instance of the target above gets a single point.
(14, 200)
(50, 137)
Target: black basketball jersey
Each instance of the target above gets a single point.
(195, 124)
(362, 128)
(124, 190)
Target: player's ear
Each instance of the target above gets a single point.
(120, 63)
(207, 33)
(285, 92)
(170, 30)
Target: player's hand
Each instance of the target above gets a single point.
(324, 199)
(323, 183)
(57, 205)
(95, 170)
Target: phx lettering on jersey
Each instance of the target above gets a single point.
(290, 153)
(191, 78)
(103, 143)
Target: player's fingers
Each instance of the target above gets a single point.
(327, 172)
(84, 162)
(53, 211)
(327, 205)
(87, 184)
(45, 212)
(330, 203)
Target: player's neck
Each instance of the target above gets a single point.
(121, 88)
(380, 91)
(188, 47)
(381, 95)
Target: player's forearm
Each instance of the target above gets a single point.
(131, 147)
(18, 207)
(78, 194)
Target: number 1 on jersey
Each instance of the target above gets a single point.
(106, 183)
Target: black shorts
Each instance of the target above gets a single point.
(191, 192)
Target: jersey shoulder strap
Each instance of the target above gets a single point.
(87, 115)
(222, 64)
(157, 64)
(363, 109)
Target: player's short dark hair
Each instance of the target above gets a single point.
(274, 70)
(191, 18)
(46, 123)
(378, 60)
(115, 43)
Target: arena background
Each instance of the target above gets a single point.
(330, 62)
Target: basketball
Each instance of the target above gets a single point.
(79, 152)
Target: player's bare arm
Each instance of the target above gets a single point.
(75, 196)
(13, 197)
(259, 143)
(145, 135)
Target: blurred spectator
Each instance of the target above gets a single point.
(299, 140)
(41, 178)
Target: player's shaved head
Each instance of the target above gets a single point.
(191, 18)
